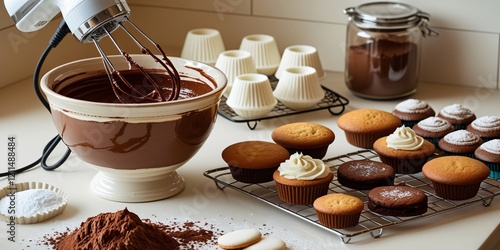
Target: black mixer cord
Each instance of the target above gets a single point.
(58, 36)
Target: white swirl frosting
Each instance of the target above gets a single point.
(413, 106)
(434, 124)
(492, 146)
(462, 137)
(303, 167)
(486, 123)
(404, 138)
(456, 111)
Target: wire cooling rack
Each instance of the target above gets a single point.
(369, 222)
(334, 102)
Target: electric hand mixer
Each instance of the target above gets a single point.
(89, 21)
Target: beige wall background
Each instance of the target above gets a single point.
(465, 53)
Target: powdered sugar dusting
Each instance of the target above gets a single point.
(461, 137)
(365, 169)
(412, 106)
(434, 124)
(486, 123)
(396, 193)
(492, 146)
(456, 111)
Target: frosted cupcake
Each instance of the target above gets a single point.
(489, 154)
(459, 116)
(487, 127)
(433, 129)
(301, 179)
(412, 111)
(405, 151)
(460, 142)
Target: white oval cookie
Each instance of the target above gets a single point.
(268, 243)
(239, 239)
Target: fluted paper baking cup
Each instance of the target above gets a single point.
(38, 217)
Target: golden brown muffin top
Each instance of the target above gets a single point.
(368, 120)
(303, 134)
(455, 170)
(339, 204)
(255, 154)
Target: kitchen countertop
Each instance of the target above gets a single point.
(23, 117)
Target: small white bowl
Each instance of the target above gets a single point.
(203, 45)
(251, 96)
(264, 51)
(299, 88)
(234, 63)
(300, 55)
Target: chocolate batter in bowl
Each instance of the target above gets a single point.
(136, 147)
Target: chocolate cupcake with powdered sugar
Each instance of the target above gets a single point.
(460, 142)
(489, 154)
(459, 116)
(433, 129)
(412, 111)
(487, 127)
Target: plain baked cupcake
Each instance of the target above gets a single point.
(433, 129)
(397, 201)
(363, 127)
(487, 127)
(412, 111)
(301, 179)
(456, 177)
(489, 154)
(304, 137)
(405, 151)
(459, 116)
(254, 161)
(338, 210)
(365, 174)
(460, 142)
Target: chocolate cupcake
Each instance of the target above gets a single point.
(487, 127)
(456, 177)
(301, 179)
(489, 154)
(460, 142)
(365, 174)
(433, 129)
(397, 201)
(405, 151)
(412, 111)
(254, 161)
(459, 116)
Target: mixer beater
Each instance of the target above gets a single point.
(91, 20)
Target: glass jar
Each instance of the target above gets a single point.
(383, 49)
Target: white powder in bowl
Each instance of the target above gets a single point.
(31, 202)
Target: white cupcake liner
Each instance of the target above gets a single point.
(264, 51)
(299, 88)
(300, 55)
(18, 187)
(203, 45)
(234, 63)
(251, 96)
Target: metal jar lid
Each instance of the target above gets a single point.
(387, 15)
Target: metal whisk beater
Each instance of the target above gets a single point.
(126, 92)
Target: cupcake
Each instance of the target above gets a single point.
(397, 201)
(365, 174)
(460, 142)
(254, 161)
(363, 127)
(304, 137)
(338, 210)
(405, 151)
(301, 179)
(412, 111)
(489, 154)
(456, 177)
(487, 127)
(433, 129)
(459, 116)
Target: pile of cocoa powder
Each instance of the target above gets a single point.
(125, 230)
